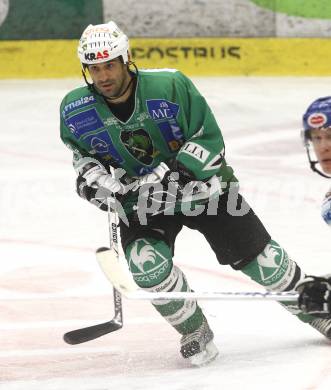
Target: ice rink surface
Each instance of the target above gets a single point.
(50, 282)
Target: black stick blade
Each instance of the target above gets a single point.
(102, 249)
(82, 335)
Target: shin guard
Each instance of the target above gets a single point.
(274, 270)
(151, 265)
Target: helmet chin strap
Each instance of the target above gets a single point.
(92, 88)
(313, 166)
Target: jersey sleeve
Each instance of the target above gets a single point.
(203, 151)
(326, 208)
(78, 152)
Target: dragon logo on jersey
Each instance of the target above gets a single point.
(139, 144)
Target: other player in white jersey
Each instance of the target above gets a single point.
(315, 292)
(317, 140)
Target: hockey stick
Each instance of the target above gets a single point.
(82, 335)
(122, 281)
(123, 284)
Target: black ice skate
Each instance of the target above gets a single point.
(323, 325)
(198, 346)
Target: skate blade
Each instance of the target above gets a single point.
(205, 357)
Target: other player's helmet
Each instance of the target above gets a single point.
(317, 116)
(101, 43)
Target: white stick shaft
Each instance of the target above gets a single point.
(212, 295)
(122, 281)
(113, 243)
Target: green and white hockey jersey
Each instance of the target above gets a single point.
(170, 120)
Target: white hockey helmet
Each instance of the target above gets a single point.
(102, 42)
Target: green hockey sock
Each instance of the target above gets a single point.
(151, 265)
(274, 270)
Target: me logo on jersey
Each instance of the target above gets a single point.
(162, 109)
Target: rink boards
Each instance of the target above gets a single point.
(194, 56)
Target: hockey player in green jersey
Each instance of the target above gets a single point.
(156, 128)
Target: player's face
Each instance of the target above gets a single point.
(110, 78)
(321, 139)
